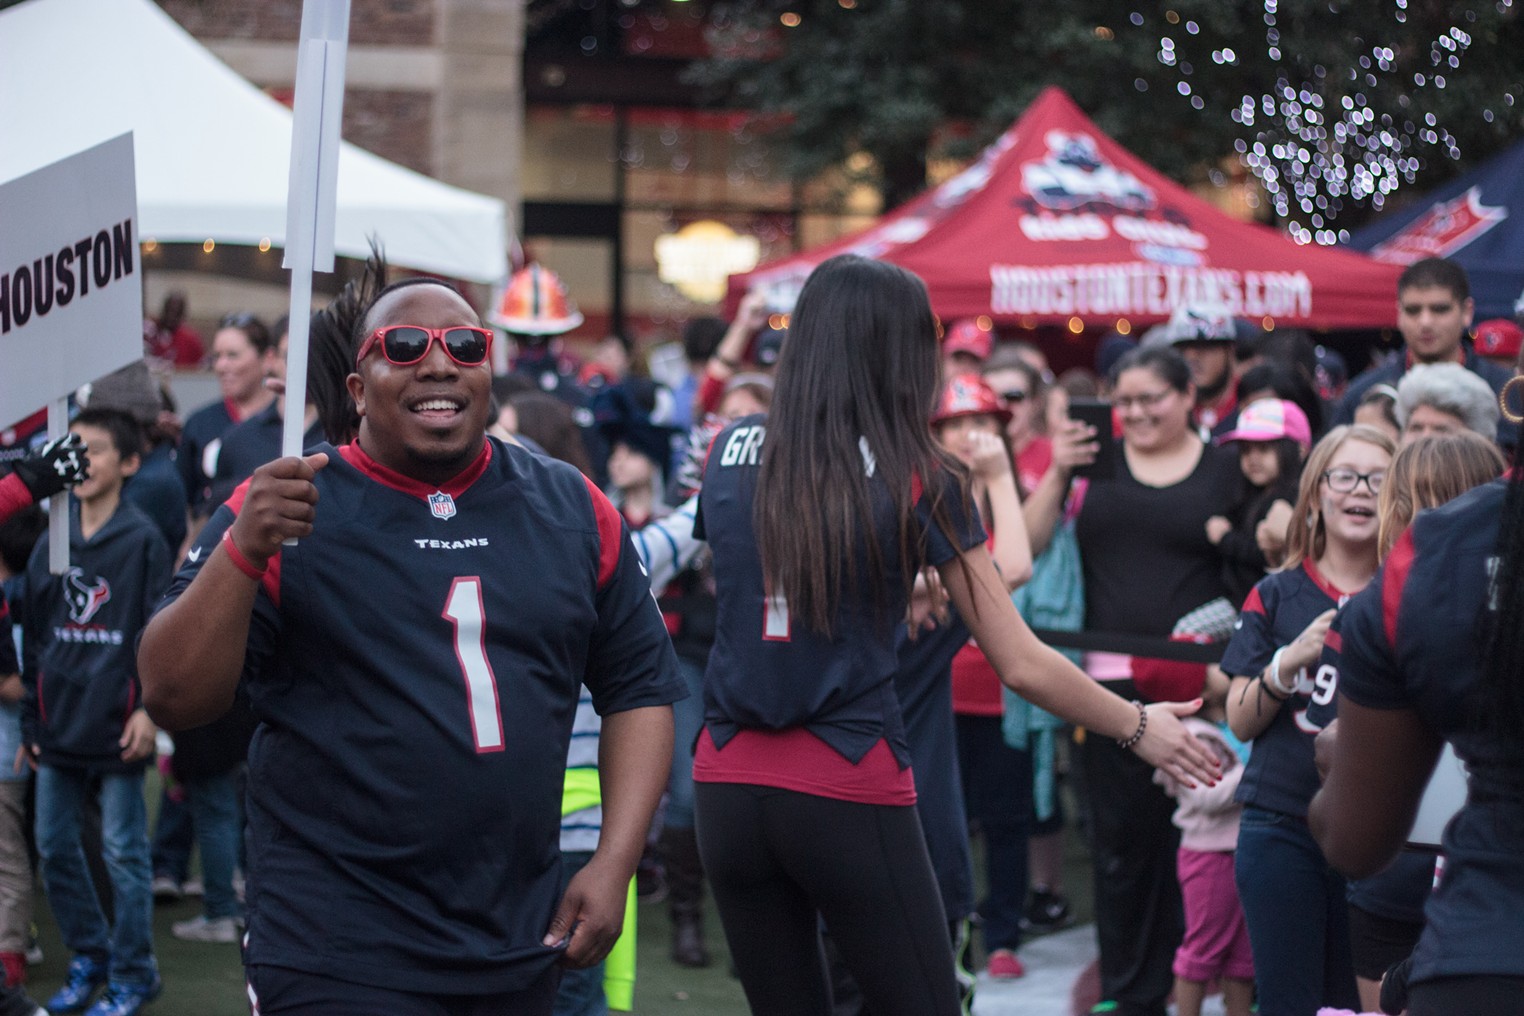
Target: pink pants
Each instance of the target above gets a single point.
(1216, 939)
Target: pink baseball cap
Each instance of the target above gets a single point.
(1271, 420)
(965, 336)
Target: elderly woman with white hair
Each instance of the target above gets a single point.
(1445, 398)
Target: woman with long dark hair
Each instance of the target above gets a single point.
(819, 523)
(1433, 652)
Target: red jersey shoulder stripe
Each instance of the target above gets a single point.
(1398, 564)
(1253, 604)
(609, 532)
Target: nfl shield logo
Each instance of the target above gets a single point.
(442, 505)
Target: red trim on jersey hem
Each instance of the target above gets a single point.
(797, 760)
(1332, 591)
(455, 486)
(1398, 563)
(609, 527)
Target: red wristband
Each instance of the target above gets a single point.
(239, 561)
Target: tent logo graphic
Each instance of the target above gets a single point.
(1074, 175)
(1443, 230)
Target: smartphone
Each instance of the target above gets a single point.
(1097, 413)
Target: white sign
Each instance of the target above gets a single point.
(71, 285)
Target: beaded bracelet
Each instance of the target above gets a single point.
(1137, 735)
(240, 562)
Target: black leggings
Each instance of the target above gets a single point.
(1471, 996)
(776, 859)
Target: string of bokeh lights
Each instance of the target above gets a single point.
(1317, 137)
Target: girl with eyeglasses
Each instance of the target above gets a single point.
(1293, 902)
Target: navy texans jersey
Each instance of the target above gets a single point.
(770, 671)
(1280, 775)
(1413, 640)
(415, 666)
(200, 444)
(80, 633)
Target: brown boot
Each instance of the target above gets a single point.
(685, 900)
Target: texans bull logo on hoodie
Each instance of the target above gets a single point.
(85, 598)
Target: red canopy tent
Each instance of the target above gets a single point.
(1057, 221)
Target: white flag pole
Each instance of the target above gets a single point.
(58, 504)
(310, 204)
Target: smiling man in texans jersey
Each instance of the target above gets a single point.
(414, 661)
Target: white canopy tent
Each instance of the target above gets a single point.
(213, 152)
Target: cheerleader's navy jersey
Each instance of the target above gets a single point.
(1413, 640)
(769, 671)
(415, 665)
(1280, 775)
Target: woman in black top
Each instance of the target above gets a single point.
(1147, 563)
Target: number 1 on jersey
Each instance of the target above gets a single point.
(775, 619)
(464, 609)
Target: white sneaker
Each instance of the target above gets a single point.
(165, 888)
(193, 887)
(204, 929)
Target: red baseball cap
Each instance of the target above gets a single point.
(965, 336)
(968, 395)
(1499, 338)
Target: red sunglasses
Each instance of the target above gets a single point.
(405, 345)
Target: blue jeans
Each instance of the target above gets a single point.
(687, 719)
(173, 838)
(218, 821)
(1298, 921)
(127, 948)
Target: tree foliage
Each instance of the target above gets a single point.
(1333, 104)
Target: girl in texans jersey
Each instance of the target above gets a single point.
(1293, 902)
(819, 519)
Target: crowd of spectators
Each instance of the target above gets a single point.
(1198, 541)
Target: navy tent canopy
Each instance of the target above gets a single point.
(1476, 220)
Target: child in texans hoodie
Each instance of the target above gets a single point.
(84, 728)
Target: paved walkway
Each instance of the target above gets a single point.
(1054, 964)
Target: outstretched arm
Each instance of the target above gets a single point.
(1047, 679)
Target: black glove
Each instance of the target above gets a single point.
(60, 463)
